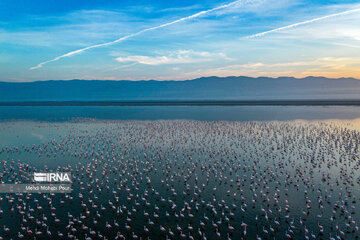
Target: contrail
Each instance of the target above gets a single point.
(303, 23)
(137, 33)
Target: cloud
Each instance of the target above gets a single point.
(196, 15)
(175, 9)
(303, 23)
(346, 45)
(178, 57)
(78, 29)
(261, 8)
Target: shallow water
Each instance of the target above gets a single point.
(216, 169)
(206, 113)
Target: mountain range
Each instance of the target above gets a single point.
(205, 88)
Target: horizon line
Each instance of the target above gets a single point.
(270, 102)
(184, 80)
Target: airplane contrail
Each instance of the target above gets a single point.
(303, 23)
(137, 33)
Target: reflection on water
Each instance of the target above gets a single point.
(182, 179)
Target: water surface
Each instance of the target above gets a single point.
(210, 113)
(288, 177)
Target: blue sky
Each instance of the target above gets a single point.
(38, 39)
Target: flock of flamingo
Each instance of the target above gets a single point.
(185, 180)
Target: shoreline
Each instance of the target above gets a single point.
(189, 103)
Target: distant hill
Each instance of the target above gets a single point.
(206, 88)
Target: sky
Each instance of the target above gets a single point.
(177, 39)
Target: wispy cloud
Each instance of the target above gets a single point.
(196, 15)
(303, 23)
(78, 29)
(178, 57)
(346, 45)
(174, 9)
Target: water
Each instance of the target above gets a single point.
(216, 168)
(206, 113)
